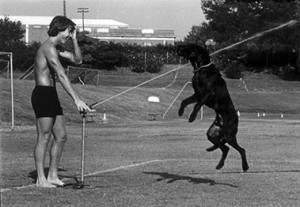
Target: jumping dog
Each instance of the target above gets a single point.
(210, 89)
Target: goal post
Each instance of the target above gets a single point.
(10, 55)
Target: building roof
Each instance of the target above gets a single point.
(45, 20)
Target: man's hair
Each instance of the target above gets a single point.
(59, 24)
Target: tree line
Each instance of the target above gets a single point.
(96, 54)
(227, 22)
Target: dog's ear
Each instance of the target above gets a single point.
(192, 54)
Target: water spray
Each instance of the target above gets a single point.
(289, 23)
(134, 87)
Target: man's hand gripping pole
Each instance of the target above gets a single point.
(91, 113)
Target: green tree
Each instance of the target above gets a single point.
(11, 34)
(230, 21)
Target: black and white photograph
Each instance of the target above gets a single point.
(149, 103)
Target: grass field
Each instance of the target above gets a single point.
(160, 163)
(131, 161)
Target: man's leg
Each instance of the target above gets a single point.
(44, 129)
(59, 133)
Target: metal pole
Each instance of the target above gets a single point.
(167, 57)
(82, 147)
(12, 92)
(82, 11)
(145, 61)
(8, 69)
(83, 21)
(98, 78)
(64, 8)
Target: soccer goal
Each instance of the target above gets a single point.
(8, 68)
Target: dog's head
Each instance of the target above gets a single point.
(194, 53)
(183, 51)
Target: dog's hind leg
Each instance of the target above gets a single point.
(185, 102)
(214, 134)
(242, 152)
(224, 150)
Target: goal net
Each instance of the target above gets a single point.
(6, 72)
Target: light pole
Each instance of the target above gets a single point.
(64, 7)
(82, 11)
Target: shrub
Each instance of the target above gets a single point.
(234, 71)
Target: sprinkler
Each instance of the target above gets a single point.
(86, 115)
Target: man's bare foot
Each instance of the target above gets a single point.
(55, 181)
(44, 184)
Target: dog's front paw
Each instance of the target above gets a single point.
(181, 111)
(192, 117)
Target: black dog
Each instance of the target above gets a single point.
(211, 90)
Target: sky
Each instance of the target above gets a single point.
(179, 15)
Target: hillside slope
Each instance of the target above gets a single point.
(265, 93)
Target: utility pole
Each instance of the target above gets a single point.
(82, 11)
(64, 8)
(298, 19)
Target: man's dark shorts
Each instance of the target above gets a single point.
(45, 102)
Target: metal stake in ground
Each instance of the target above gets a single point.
(85, 115)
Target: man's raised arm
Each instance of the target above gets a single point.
(75, 57)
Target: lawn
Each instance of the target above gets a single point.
(131, 161)
(159, 163)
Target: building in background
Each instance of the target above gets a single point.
(36, 28)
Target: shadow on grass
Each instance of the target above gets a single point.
(173, 177)
(251, 172)
(33, 174)
(71, 182)
(262, 172)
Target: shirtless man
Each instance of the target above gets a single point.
(45, 102)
